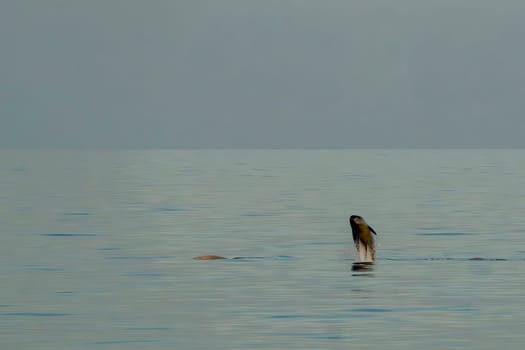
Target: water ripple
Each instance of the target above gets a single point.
(167, 210)
(69, 234)
(444, 234)
(34, 314)
(123, 341)
(137, 257)
(450, 259)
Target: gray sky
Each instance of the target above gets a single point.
(262, 73)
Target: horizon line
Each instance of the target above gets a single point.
(116, 148)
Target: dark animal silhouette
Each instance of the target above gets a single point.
(363, 238)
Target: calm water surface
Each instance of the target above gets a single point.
(96, 249)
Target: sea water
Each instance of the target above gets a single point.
(96, 249)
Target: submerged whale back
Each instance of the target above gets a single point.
(208, 257)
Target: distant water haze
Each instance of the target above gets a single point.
(262, 74)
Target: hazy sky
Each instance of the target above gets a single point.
(262, 73)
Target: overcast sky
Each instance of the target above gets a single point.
(262, 73)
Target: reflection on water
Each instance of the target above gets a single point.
(362, 267)
(97, 250)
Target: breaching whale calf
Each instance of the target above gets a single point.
(363, 239)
